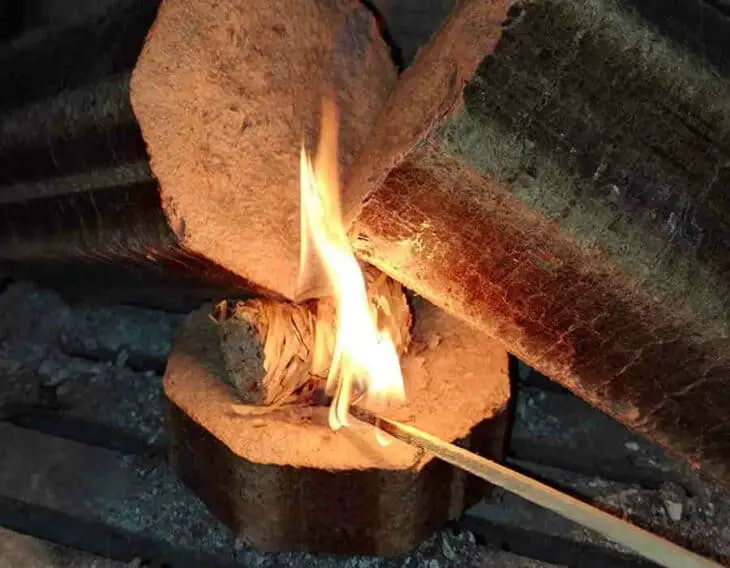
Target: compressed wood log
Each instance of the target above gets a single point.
(273, 348)
(225, 94)
(285, 481)
(79, 208)
(267, 349)
(563, 185)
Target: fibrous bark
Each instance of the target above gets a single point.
(283, 480)
(572, 202)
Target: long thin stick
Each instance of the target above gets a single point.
(646, 544)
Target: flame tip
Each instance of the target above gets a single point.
(362, 352)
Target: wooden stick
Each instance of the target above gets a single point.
(646, 544)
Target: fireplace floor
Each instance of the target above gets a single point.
(83, 476)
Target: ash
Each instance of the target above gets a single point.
(445, 549)
(99, 364)
(102, 366)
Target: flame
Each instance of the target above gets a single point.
(364, 361)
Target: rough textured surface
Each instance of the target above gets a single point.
(127, 508)
(446, 358)
(271, 349)
(138, 485)
(151, 521)
(583, 223)
(373, 501)
(136, 337)
(78, 205)
(691, 519)
(109, 378)
(266, 348)
(425, 93)
(561, 430)
(373, 511)
(225, 96)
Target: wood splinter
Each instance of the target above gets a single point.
(274, 350)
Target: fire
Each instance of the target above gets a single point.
(364, 362)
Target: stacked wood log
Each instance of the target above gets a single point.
(554, 175)
(572, 203)
(227, 94)
(80, 207)
(280, 478)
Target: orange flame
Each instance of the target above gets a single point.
(364, 359)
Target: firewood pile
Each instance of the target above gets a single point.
(551, 172)
(545, 178)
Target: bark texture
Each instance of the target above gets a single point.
(227, 92)
(573, 203)
(284, 481)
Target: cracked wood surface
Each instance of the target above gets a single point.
(574, 205)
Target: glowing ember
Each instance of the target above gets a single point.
(365, 361)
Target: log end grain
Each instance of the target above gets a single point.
(454, 378)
